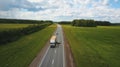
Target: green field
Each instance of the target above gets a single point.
(21, 52)
(94, 47)
(12, 26)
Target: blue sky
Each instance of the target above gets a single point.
(61, 10)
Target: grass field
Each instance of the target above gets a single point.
(12, 26)
(94, 47)
(21, 53)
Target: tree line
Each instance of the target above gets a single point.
(86, 23)
(89, 23)
(115, 24)
(18, 21)
(103, 23)
(14, 34)
(64, 22)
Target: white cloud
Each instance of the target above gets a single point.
(62, 9)
(116, 0)
(105, 2)
(35, 0)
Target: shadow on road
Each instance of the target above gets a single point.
(58, 44)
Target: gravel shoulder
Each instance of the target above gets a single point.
(69, 59)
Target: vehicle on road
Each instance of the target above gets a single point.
(53, 41)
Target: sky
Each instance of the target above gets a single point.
(61, 10)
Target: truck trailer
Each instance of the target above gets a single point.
(53, 41)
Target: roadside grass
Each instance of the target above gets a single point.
(94, 47)
(12, 26)
(21, 53)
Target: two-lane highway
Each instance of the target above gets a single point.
(54, 57)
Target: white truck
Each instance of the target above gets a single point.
(53, 41)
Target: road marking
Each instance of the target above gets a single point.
(53, 61)
(61, 33)
(44, 56)
(63, 48)
(63, 57)
(55, 51)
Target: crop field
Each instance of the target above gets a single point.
(21, 52)
(96, 46)
(12, 26)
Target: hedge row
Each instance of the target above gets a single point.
(15, 34)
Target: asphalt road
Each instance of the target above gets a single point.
(54, 57)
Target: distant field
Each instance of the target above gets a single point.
(21, 53)
(95, 47)
(12, 26)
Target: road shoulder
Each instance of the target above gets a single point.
(69, 59)
(38, 58)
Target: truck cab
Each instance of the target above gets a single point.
(53, 41)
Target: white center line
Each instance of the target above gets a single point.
(55, 51)
(44, 57)
(53, 61)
